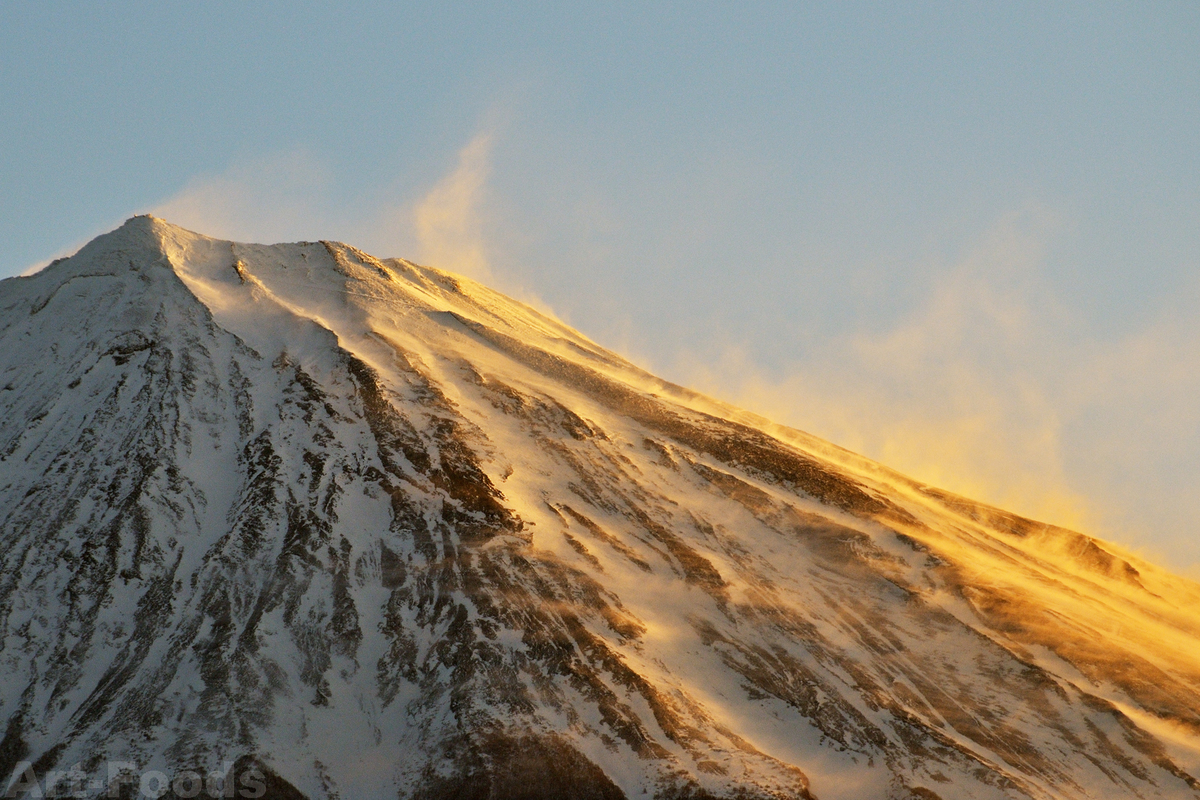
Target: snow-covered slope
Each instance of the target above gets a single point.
(388, 533)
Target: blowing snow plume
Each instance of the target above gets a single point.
(447, 220)
(336, 526)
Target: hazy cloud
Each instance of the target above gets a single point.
(994, 389)
(38, 266)
(449, 220)
(992, 386)
(279, 197)
(292, 196)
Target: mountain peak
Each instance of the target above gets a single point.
(379, 531)
(137, 242)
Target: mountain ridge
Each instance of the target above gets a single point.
(381, 529)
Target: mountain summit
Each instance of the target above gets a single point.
(378, 531)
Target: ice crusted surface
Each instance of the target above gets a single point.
(388, 533)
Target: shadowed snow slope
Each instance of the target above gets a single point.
(389, 534)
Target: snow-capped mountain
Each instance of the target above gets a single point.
(385, 533)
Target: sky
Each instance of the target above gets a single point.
(961, 238)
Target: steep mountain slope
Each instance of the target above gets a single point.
(387, 533)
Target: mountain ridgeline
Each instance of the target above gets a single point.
(385, 533)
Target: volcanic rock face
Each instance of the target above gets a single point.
(386, 533)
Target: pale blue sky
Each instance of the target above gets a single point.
(961, 237)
